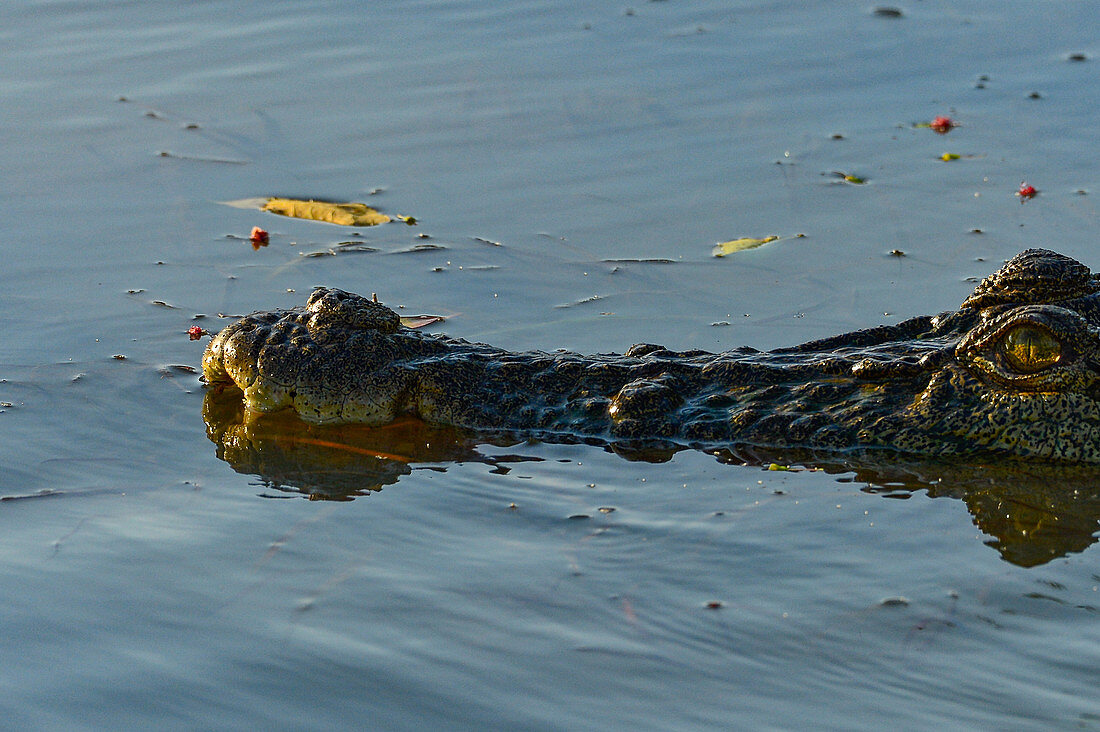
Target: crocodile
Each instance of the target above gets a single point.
(1014, 371)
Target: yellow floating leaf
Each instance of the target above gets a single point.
(847, 177)
(344, 214)
(947, 157)
(740, 245)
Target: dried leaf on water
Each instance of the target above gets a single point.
(640, 260)
(420, 321)
(344, 214)
(739, 245)
(1026, 191)
(849, 178)
(948, 157)
(354, 246)
(940, 125)
(582, 301)
(174, 369)
(259, 237)
(200, 159)
(419, 248)
(344, 247)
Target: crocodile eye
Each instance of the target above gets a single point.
(1028, 349)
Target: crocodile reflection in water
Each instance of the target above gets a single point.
(1034, 512)
(335, 462)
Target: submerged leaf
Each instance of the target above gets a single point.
(344, 214)
(739, 245)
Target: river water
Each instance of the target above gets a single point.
(573, 166)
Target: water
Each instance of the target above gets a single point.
(149, 582)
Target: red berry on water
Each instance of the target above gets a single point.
(942, 124)
(1026, 191)
(195, 332)
(258, 237)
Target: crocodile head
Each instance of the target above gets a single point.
(1021, 373)
(1015, 370)
(339, 359)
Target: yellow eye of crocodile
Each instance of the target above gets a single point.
(1028, 349)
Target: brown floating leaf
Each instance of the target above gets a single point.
(344, 214)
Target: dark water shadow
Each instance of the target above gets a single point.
(1032, 512)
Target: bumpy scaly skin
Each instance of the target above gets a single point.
(1015, 370)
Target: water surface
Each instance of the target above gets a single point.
(150, 582)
